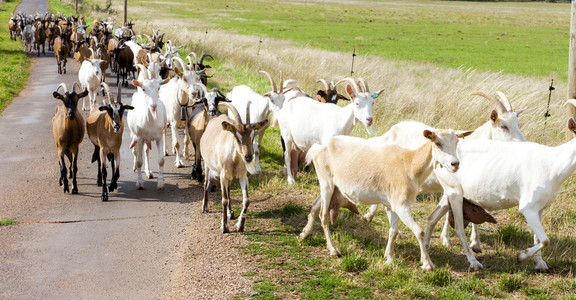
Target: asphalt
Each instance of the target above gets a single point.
(76, 246)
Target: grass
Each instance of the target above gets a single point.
(8, 222)
(429, 92)
(14, 70)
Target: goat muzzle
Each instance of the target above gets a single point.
(153, 106)
(248, 157)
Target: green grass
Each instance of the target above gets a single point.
(14, 70)
(481, 36)
(8, 222)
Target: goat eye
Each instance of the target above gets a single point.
(504, 127)
(438, 144)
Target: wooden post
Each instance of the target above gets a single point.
(125, 12)
(571, 112)
(76, 7)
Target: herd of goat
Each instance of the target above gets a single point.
(390, 169)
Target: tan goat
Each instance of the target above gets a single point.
(364, 172)
(68, 130)
(105, 128)
(227, 151)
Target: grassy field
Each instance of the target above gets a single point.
(429, 89)
(14, 70)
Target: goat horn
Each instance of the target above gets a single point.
(275, 90)
(107, 89)
(571, 101)
(204, 56)
(143, 69)
(505, 100)
(181, 62)
(74, 85)
(119, 96)
(148, 38)
(363, 84)
(232, 109)
(352, 83)
(204, 89)
(63, 86)
(326, 85)
(149, 55)
(499, 106)
(247, 112)
(195, 57)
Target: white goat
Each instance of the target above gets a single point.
(146, 123)
(260, 109)
(90, 76)
(176, 95)
(503, 125)
(304, 121)
(499, 175)
(28, 37)
(367, 172)
(226, 148)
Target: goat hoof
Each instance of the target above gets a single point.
(475, 266)
(240, 227)
(335, 253)
(476, 249)
(104, 198)
(225, 230)
(74, 191)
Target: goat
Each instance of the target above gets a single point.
(82, 52)
(61, 50)
(146, 123)
(197, 122)
(68, 130)
(13, 27)
(366, 172)
(175, 95)
(226, 149)
(503, 125)
(261, 108)
(40, 36)
(90, 76)
(105, 128)
(499, 175)
(304, 121)
(27, 37)
(330, 94)
(124, 61)
(199, 66)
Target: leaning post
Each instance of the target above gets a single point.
(125, 12)
(571, 111)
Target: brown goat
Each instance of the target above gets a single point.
(61, 50)
(82, 52)
(330, 94)
(105, 128)
(40, 36)
(68, 130)
(124, 61)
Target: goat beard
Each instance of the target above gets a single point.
(471, 213)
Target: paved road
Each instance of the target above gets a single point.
(75, 246)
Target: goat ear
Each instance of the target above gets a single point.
(321, 93)
(340, 96)
(267, 95)
(350, 91)
(227, 126)
(83, 94)
(128, 107)
(494, 116)
(57, 95)
(178, 72)
(572, 125)
(260, 125)
(165, 81)
(136, 83)
(429, 134)
(463, 134)
(103, 108)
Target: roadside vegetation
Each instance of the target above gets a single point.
(7, 222)
(431, 88)
(14, 70)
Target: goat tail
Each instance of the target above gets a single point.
(316, 148)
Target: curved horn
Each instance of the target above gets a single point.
(332, 85)
(204, 56)
(326, 85)
(504, 100)
(275, 90)
(143, 70)
(107, 89)
(149, 55)
(248, 112)
(233, 110)
(92, 51)
(63, 86)
(148, 38)
(351, 82)
(181, 62)
(363, 84)
(195, 57)
(499, 106)
(571, 101)
(74, 85)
